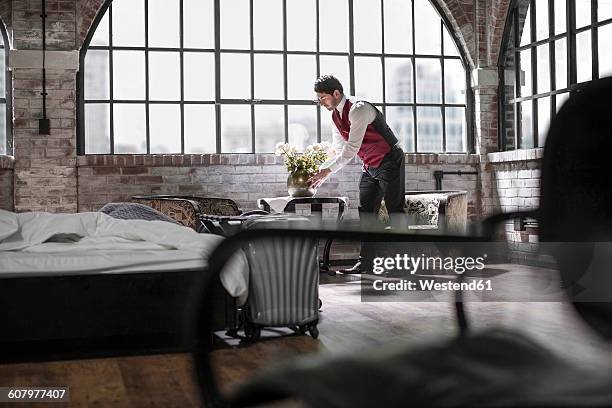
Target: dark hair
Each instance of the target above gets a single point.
(327, 84)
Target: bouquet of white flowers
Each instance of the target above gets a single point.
(308, 161)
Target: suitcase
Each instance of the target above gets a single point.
(283, 279)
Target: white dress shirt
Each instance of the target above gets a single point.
(361, 115)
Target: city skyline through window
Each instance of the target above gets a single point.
(236, 76)
(551, 48)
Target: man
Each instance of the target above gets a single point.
(360, 129)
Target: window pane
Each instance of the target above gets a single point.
(164, 76)
(398, 26)
(301, 75)
(456, 131)
(165, 128)
(198, 24)
(333, 26)
(129, 128)
(268, 24)
(269, 76)
(366, 13)
(401, 121)
(337, 66)
(100, 36)
(97, 128)
(326, 125)
(235, 24)
(428, 80)
(583, 13)
(236, 129)
(526, 125)
(97, 75)
(368, 78)
(199, 68)
(200, 129)
(524, 16)
(128, 23)
(164, 22)
(605, 54)
(128, 75)
(454, 81)
(269, 127)
(541, 19)
(525, 57)
(560, 16)
(584, 61)
(398, 79)
(543, 119)
(509, 76)
(301, 25)
(429, 129)
(427, 28)
(450, 48)
(604, 9)
(561, 64)
(509, 129)
(561, 98)
(235, 76)
(302, 126)
(543, 61)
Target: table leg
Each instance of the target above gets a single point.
(324, 264)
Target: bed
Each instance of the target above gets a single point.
(80, 285)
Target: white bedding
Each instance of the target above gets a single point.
(107, 245)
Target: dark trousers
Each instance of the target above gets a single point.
(387, 181)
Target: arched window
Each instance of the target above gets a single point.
(236, 76)
(6, 143)
(551, 48)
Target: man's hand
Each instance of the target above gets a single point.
(319, 178)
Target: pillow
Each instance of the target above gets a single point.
(134, 211)
(8, 224)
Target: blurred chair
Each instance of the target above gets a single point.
(188, 209)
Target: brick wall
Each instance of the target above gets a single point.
(243, 178)
(516, 176)
(45, 175)
(6, 183)
(60, 25)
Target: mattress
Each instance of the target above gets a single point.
(43, 244)
(22, 264)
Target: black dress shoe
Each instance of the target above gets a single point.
(355, 269)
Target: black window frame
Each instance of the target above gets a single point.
(7, 98)
(218, 51)
(512, 28)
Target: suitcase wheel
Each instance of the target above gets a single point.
(314, 331)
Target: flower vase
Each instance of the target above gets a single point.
(297, 184)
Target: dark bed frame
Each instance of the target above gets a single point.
(101, 315)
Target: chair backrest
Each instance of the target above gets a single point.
(576, 189)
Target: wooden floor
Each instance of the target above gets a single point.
(347, 326)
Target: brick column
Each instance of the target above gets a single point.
(485, 86)
(45, 165)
